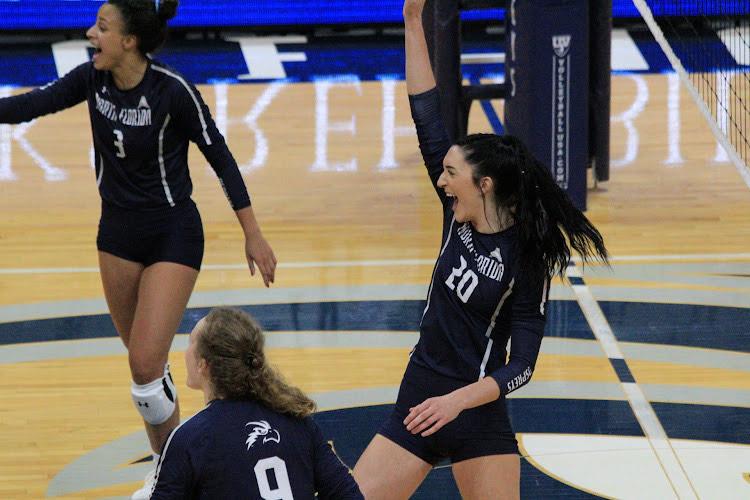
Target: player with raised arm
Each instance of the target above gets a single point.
(507, 230)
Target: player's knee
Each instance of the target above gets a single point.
(144, 368)
(155, 400)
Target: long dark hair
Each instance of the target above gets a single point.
(232, 344)
(548, 223)
(147, 20)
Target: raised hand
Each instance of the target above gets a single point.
(419, 77)
(413, 8)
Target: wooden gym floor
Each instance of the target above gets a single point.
(356, 236)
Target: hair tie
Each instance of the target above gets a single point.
(252, 361)
(156, 4)
(248, 359)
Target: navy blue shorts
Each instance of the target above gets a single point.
(174, 234)
(477, 432)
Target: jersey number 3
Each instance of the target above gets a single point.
(119, 143)
(276, 466)
(466, 285)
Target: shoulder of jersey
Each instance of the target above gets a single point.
(168, 74)
(89, 68)
(198, 421)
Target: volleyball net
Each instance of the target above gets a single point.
(707, 43)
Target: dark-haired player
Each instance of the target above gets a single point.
(505, 224)
(150, 241)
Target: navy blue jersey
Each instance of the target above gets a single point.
(478, 297)
(240, 449)
(141, 135)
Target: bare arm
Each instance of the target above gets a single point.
(257, 249)
(419, 76)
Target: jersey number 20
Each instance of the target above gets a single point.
(466, 285)
(283, 490)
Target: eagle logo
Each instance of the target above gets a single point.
(261, 428)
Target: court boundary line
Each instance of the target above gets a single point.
(657, 437)
(377, 263)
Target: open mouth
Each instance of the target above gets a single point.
(455, 200)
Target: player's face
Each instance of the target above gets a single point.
(107, 35)
(458, 183)
(192, 360)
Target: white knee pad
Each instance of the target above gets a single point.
(155, 401)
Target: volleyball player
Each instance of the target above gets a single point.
(255, 437)
(505, 224)
(150, 240)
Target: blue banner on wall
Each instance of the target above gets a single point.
(79, 14)
(302, 59)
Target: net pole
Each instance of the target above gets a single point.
(600, 85)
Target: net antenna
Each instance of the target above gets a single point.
(731, 100)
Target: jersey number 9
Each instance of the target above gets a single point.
(283, 490)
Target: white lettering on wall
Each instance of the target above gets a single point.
(627, 118)
(390, 129)
(251, 120)
(70, 54)
(263, 59)
(323, 125)
(673, 120)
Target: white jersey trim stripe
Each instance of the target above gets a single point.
(485, 359)
(492, 327)
(432, 281)
(101, 171)
(192, 95)
(164, 454)
(166, 447)
(163, 171)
